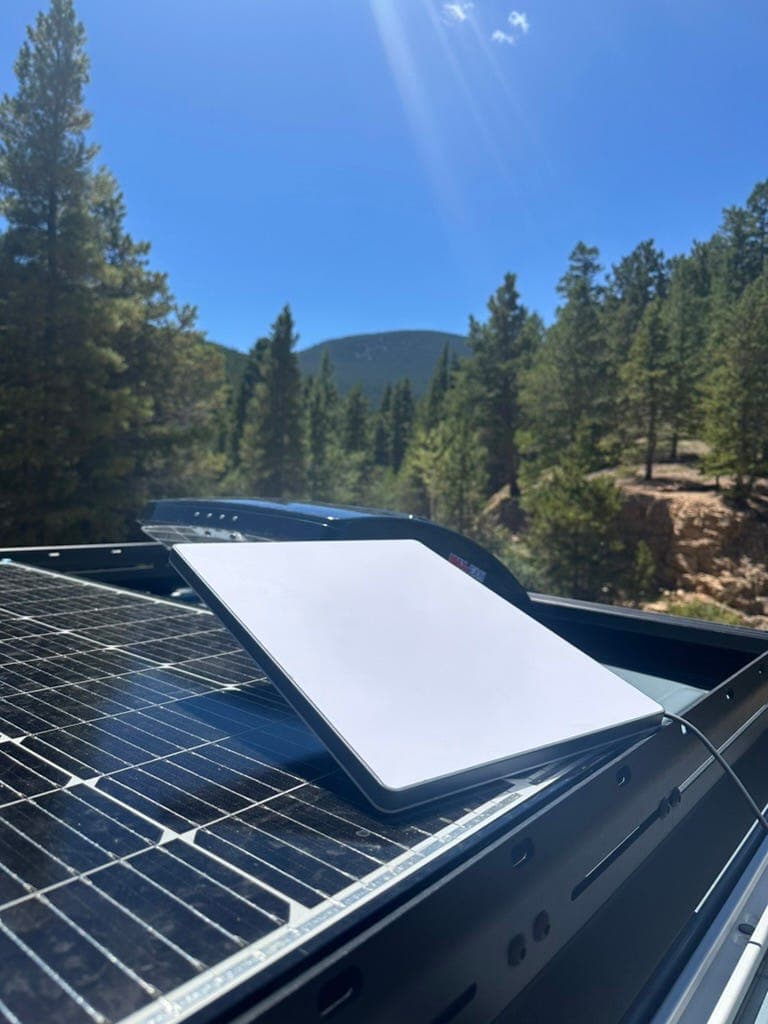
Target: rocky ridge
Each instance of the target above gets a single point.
(702, 546)
(704, 549)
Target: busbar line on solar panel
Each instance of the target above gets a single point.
(168, 826)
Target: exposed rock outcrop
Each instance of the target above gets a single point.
(700, 544)
(703, 548)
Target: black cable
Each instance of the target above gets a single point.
(724, 765)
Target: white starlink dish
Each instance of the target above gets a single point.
(418, 679)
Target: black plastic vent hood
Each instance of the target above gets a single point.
(185, 520)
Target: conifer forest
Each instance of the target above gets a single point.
(110, 394)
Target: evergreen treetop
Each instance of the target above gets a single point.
(272, 444)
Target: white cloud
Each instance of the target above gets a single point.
(519, 26)
(519, 20)
(455, 13)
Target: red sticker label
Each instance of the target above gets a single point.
(467, 567)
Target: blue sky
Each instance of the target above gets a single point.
(380, 164)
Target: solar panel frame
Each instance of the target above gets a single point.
(81, 840)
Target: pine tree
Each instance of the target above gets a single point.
(355, 432)
(322, 447)
(461, 485)
(350, 452)
(106, 390)
(739, 249)
(635, 281)
(173, 441)
(646, 380)
(757, 210)
(565, 398)
(60, 377)
(736, 413)
(574, 534)
(502, 351)
(272, 445)
(685, 314)
(179, 450)
(437, 389)
(443, 474)
(253, 375)
(401, 422)
(382, 430)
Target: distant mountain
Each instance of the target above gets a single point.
(375, 360)
(370, 360)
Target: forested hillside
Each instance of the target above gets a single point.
(374, 360)
(108, 393)
(370, 361)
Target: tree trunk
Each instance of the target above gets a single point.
(650, 449)
(514, 465)
(673, 447)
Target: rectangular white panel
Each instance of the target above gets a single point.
(419, 679)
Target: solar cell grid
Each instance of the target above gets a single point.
(162, 810)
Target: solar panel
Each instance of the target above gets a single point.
(169, 828)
